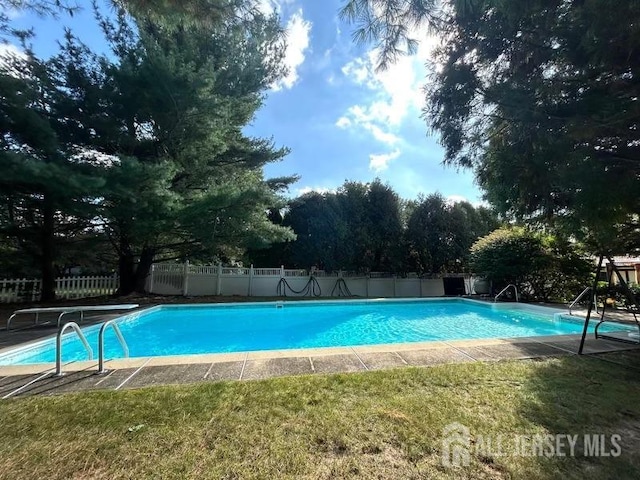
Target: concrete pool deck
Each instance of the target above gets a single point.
(26, 380)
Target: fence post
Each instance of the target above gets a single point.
(151, 278)
(251, 280)
(219, 280)
(281, 271)
(420, 280)
(394, 285)
(367, 285)
(185, 278)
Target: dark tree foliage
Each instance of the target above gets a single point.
(47, 190)
(390, 24)
(366, 227)
(543, 267)
(439, 234)
(144, 147)
(175, 105)
(357, 228)
(540, 98)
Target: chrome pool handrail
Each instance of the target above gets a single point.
(578, 298)
(123, 343)
(83, 339)
(495, 299)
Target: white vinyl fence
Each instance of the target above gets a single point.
(192, 280)
(28, 290)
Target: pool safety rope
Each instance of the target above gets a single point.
(312, 288)
(343, 290)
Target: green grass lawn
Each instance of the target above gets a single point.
(385, 424)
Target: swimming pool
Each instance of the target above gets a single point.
(218, 328)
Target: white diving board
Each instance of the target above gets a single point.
(71, 309)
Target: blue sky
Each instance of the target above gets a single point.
(340, 118)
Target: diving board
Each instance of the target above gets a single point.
(70, 309)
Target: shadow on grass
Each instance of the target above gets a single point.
(593, 400)
(383, 424)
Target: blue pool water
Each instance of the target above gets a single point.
(195, 329)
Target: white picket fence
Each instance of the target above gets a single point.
(197, 280)
(28, 290)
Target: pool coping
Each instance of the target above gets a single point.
(555, 341)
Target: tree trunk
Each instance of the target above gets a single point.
(142, 272)
(48, 292)
(126, 268)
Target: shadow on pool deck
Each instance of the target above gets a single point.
(357, 359)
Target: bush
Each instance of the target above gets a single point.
(543, 267)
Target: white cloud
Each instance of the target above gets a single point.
(368, 120)
(308, 189)
(380, 162)
(392, 95)
(451, 199)
(11, 49)
(10, 12)
(298, 30)
(343, 122)
(11, 58)
(358, 71)
(382, 136)
(268, 7)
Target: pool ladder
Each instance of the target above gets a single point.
(579, 297)
(504, 290)
(85, 343)
(123, 343)
(82, 338)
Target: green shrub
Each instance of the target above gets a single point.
(542, 266)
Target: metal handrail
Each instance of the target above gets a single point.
(495, 299)
(579, 297)
(123, 343)
(83, 339)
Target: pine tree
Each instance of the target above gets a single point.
(46, 189)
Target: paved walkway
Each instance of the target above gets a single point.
(142, 372)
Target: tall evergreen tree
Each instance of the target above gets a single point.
(178, 99)
(145, 146)
(47, 191)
